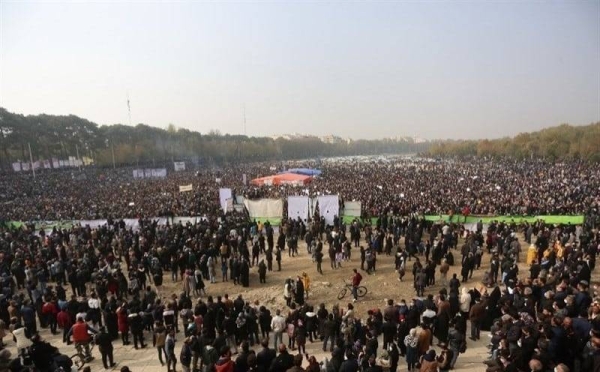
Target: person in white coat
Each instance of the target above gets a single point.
(465, 303)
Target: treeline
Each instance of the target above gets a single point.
(564, 142)
(63, 136)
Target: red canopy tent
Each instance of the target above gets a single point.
(282, 179)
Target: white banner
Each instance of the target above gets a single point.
(25, 166)
(55, 163)
(185, 188)
(244, 179)
(47, 164)
(298, 207)
(184, 220)
(150, 173)
(329, 207)
(352, 209)
(72, 161)
(269, 208)
(179, 166)
(224, 194)
(16, 166)
(230, 205)
(132, 223)
(36, 165)
(93, 224)
(161, 172)
(161, 221)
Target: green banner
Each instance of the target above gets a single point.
(562, 220)
(558, 220)
(272, 221)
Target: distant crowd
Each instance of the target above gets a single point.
(479, 187)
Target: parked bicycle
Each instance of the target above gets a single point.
(361, 291)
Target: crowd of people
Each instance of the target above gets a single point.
(106, 284)
(402, 186)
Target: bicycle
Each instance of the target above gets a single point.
(80, 359)
(361, 291)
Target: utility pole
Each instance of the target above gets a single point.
(129, 108)
(31, 160)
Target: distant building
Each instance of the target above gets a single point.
(293, 136)
(331, 139)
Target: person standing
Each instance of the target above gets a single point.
(283, 361)
(158, 341)
(170, 351)
(185, 356)
(278, 258)
(476, 315)
(411, 341)
(224, 364)
(64, 322)
(262, 272)
(455, 341)
(269, 258)
(104, 342)
(306, 282)
(356, 279)
(137, 329)
(49, 310)
(123, 323)
(444, 268)
(265, 356)
(278, 326)
(299, 293)
(319, 260)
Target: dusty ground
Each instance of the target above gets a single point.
(324, 289)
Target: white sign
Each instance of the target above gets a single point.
(185, 188)
(179, 166)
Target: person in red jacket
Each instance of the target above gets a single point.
(356, 279)
(225, 364)
(49, 310)
(81, 337)
(123, 323)
(63, 318)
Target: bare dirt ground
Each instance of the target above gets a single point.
(324, 288)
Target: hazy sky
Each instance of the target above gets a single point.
(465, 69)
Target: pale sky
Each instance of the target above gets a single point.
(461, 69)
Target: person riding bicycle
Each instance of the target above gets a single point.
(356, 279)
(81, 336)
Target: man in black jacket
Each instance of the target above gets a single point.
(265, 357)
(283, 361)
(104, 342)
(241, 362)
(329, 331)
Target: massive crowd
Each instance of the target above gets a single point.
(110, 280)
(404, 186)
